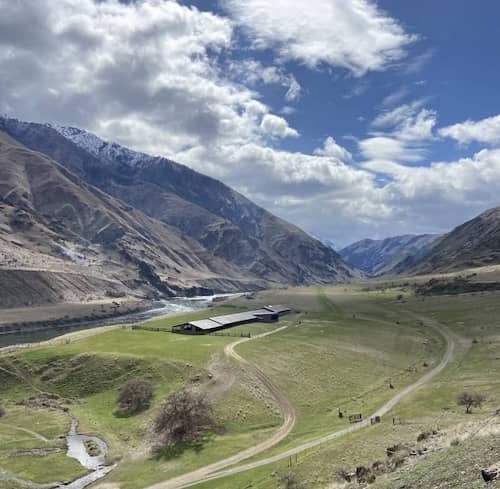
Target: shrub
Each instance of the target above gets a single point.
(184, 417)
(135, 396)
(423, 436)
(344, 475)
(290, 480)
(470, 400)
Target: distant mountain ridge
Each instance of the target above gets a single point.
(377, 257)
(472, 244)
(213, 237)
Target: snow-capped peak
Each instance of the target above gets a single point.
(105, 151)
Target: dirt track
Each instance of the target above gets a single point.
(219, 469)
(287, 413)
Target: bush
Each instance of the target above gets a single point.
(423, 436)
(290, 480)
(135, 396)
(344, 475)
(184, 417)
(470, 400)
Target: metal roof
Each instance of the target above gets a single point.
(204, 324)
(240, 317)
(260, 312)
(278, 308)
(234, 318)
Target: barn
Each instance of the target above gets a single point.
(267, 314)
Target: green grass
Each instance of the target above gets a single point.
(475, 367)
(50, 468)
(15, 435)
(334, 360)
(341, 349)
(48, 424)
(89, 372)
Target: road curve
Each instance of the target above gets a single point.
(211, 472)
(287, 413)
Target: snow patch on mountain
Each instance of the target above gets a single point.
(109, 152)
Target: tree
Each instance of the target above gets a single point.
(184, 417)
(470, 400)
(135, 396)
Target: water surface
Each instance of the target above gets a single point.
(169, 306)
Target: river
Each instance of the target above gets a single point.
(169, 306)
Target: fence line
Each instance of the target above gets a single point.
(171, 330)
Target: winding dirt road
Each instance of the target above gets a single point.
(220, 469)
(287, 413)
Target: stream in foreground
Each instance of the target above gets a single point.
(76, 448)
(78, 451)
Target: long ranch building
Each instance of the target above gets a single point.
(267, 314)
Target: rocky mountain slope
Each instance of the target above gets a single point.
(473, 244)
(376, 257)
(56, 228)
(69, 196)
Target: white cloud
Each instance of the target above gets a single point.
(149, 75)
(334, 150)
(397, 115)
(143, 74)
(416, 63)
(389, 148)
(408, 130)
(483, 131)
(418, 128)
(276, 126)
(252, 71)
(287, 110)
(294, 89)
(355, 35)
(395, 97)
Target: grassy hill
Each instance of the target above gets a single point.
(343, 347)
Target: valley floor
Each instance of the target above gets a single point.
(350, 348)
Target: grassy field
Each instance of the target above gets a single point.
(23, 431)
(343, 347)
(88, 373)
(476, 367)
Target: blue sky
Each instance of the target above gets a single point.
(349, 118)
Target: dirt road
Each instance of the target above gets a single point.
(287, 413)
(219, 469)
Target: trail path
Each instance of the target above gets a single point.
(287, 413)
(220, 469)
(34, 434)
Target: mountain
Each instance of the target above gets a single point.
(376, 257)
(473, 244)
(66, 235)
(144, 220)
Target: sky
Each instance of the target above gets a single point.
(350, 118)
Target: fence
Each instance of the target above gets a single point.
(171, 330)
(155, 330)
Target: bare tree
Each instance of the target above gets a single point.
(184, 417)
(470, 400)
(135, 396)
